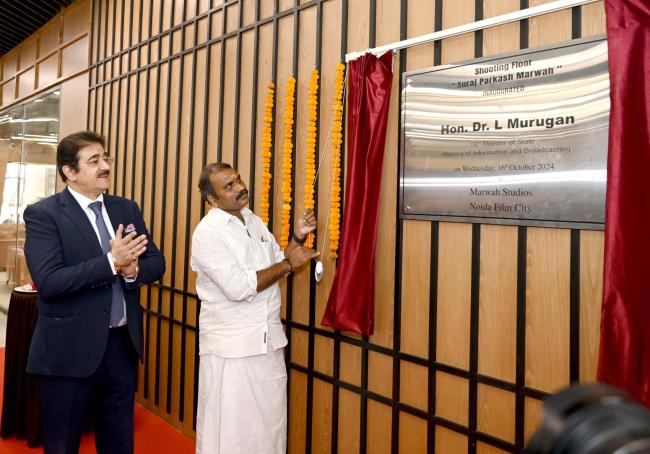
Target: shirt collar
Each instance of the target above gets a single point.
(84, 201)
(225, 218)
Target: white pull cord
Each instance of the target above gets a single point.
(318, 272)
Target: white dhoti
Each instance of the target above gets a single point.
(242, 407)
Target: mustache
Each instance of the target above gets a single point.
(104, 173)
(241, 194)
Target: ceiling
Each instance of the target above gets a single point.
(19, 19)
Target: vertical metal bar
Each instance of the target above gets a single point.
(437, 26)
(312, 288)
(473, 354)
(177, 150)
(164, 196)
(204, 158)
(93, 23)
(433, 328)
(289, 296)
(147, 325)
(128, 93)
(576, 22)
(254, 88)
(235, 141)
(520, 376)
(523, 27)
(188, 216)
(574, 308)
(222, 70)
(336, 366)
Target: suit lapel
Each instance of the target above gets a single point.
(73, 210)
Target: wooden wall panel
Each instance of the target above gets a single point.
(26, 82)
(379, 419)
(322, 414)
(416, 258)
(348, 433)
(593, 19)
(297, 412)
(264, 77)
(214, 101)
(496, 412)
(387, 30)
(306, 63)
(550, 28)
(498, 302)
(330, 56)
(460, 47)
(73, 95)
(547, 309)
(592, 245)
(504, 38)
(245, 142)
(351, 358)
(380, 374)
(28, 52)
(449, 441)
(452, 398)
(414, 385)
(454, 266)
(75, 57)
(413, 434)
(228, 121)
(76, 20)
(533, 412)
(323, 355)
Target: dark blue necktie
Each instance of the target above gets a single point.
(117, 300)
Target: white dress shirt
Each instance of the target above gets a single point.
(236, 320)
(84, 202)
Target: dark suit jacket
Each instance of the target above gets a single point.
(73, 278)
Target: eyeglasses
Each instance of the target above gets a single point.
(94, 161)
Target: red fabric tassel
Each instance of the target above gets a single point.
(351, 303)
(625, 343)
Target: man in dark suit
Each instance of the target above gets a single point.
(88, 252)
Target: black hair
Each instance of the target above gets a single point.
(205, 185)
(68, 149)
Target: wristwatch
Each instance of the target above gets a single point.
(298, 240)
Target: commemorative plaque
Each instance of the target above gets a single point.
(515, 139)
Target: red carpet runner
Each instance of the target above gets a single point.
(152, 434)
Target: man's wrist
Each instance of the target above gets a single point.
(133, 275)
(290, 265)
(113, 262)
(299, 240)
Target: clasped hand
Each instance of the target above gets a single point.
(126, 249)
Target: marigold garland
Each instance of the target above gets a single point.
(267, 144)
(312, 129)
(287, 161)
(337, 140)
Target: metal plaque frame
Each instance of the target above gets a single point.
(584, 181)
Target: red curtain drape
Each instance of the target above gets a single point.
(625, 325)
(351, 302)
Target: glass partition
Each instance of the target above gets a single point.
(29, 134)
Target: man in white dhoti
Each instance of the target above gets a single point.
(242, 407)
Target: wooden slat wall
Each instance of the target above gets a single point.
(474, 324)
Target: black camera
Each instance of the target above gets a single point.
(591, 419)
